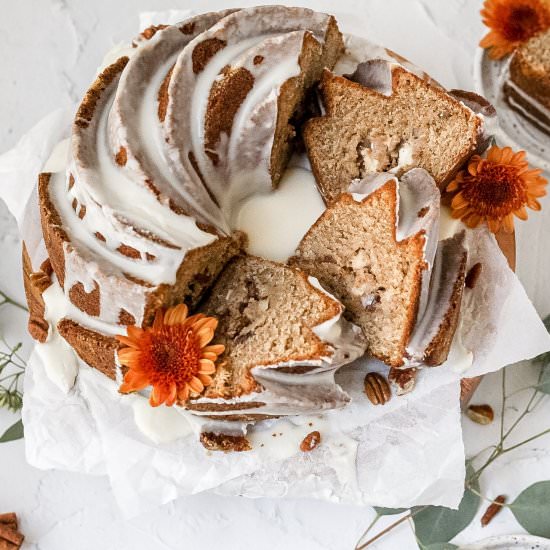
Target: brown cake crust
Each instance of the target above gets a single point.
(438, 349)
(293, 93)
(35, 284)
(95, 349)
(224, 442)
(199, 268)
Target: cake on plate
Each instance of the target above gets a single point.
(527, 88)
(146, 261)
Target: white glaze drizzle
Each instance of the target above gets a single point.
(277, 221)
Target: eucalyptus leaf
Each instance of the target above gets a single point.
(544, 361)
(532, 509)
(13, 432)
(439, 546)
(389, 511)
(437, 524)
(544, 383)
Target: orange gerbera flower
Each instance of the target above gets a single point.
(512, 22)
(172, 356)
(496, 188)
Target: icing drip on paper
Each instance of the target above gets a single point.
(160, 424)
(60, 360)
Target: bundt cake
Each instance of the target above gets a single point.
(169, 146)
(527, 88)
(164, 145)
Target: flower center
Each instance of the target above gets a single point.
(175, 353)
(523, 23)
(496, 190)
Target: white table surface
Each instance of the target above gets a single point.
(50, 49)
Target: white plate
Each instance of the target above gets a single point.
(510, 542)
(514, 130)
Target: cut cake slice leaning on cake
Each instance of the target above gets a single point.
(374, 248)
(385, 118)
(527, 90)
(284, 337)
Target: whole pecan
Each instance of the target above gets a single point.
(310, 441)
(377, 388)
(494, 508)
(481, 414)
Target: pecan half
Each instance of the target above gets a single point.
(310, 441)
(10, 537)
(377, 388)
(494, 508)
(481, 414)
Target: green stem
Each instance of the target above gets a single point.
(525, 441)
(391, 527)
(490, 500)
(503, 404)
(370, 526)
(384, 532)
(11, 301)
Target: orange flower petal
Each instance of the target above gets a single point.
(494, 225)
(127, 341)
(459, 201)
(196, 385)
(171, 396)
(134, 333)
(183, 393)
(158, 323)
(205, 336)
(521, 213)
(207, 366)
(453, 186)
(176, 315)
(218, 349)
(205, 379)
(508, 223)
(512, 22)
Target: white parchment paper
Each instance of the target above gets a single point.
(405, 453)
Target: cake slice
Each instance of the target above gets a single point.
(527, 90)
(282, 333)
(384, 118)
(372, 248)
